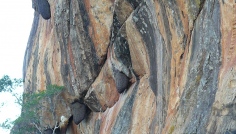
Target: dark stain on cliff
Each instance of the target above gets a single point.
(115, 28)
(65, 69)
(30, 43)
(62, 24)
(121, 48)
(142, 20)
(35, 67)
(123, 120)
(172, 6)
(84, 16)
(135, 3)
(62, 31)
(159, 55)
(48, 79)
(83, 51)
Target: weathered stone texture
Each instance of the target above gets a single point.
(141, 66)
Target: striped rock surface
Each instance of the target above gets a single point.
(179, 58)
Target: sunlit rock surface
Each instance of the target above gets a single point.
(177, 60)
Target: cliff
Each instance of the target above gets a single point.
(134, 66)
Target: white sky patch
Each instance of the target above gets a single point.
(15, 25)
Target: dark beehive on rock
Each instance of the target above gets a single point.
(44, 9)
(121, 81)
(79, 111)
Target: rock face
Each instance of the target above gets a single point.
(140, 66)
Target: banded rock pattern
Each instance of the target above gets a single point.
(177, 56)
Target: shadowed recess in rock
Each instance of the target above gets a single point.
(44, 9)
(48, 131)
(79, 111)
(135, 3)
(121, 48)
(115, 27)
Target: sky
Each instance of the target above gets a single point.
(16, 17)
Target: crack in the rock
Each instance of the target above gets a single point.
(112, 39)
(199, 12)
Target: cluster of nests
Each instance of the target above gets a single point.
(80, 111)
(121, 80)
(42, 7)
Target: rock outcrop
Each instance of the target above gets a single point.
(138, 66)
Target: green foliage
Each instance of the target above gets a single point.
(29, 118)
(6, 124)
(172, 128)
(32, 99)
(8, 85)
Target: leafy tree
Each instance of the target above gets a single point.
(8, 85)
(29, 120)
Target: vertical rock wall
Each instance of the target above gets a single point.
(140, 66)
